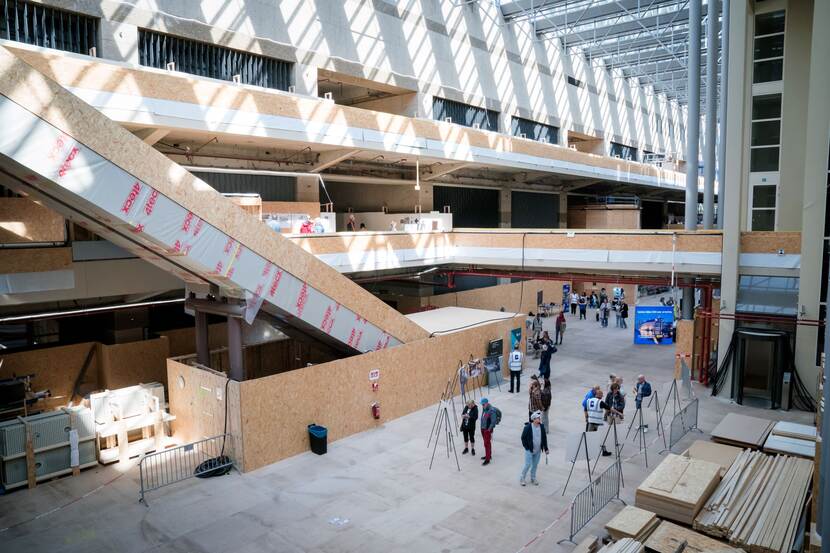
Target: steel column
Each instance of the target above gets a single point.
(823, 522)
(202, 347)
(693, 115)
(724, 74)
(236, 370)
(711, 113)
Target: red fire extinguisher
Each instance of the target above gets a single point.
(375, 386)
(376, 410)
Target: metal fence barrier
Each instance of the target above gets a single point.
(169, 466)
(684, 421)
(591, 500)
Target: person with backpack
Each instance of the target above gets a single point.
(534, 403)
(547, 397)
(548, 349)
(490, 418)
(534, 441)
(515, 363)
(469, 416)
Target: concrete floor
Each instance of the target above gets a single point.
(372, 491)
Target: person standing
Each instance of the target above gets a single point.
(574, 302)
(641, 390)
(560, 328)
(595, 411)
(536, 326)
(603, 313)
(624, 314)
(618, 314)
(592, 393)
(489, 419)
(516, 358)
(351, 225)
(547, 352)
(534, 441)
(583, 308)
(534, 403)
(547, 398)
(469, 416)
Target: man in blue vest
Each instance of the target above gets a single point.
(515, 363)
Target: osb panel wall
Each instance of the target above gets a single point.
(312, 209)
(771, 242)
(338, 395)
(370, 241)
(98, 75)
(587, 240)
(133, 363)
(197, 398)
(55, 369)
(34, 260)
(22, 221)
(504, 295)
(182, 341)
(685, 344)
(73, 116)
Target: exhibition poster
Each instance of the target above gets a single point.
(653, 324)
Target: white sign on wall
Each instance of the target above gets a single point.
(374, 374)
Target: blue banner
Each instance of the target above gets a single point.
(515, 337)
(653, 324)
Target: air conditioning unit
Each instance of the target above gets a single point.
(171, 66)
(448, 119)
(328, 96)
(477, 125)
(292, 89)
(126, 402)
(522, 135)
(237, 79)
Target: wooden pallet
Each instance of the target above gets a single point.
(758, 504)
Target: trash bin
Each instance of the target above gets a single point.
(318, 436)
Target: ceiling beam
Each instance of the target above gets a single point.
(151, 136)
(431, 173)
(329, 159)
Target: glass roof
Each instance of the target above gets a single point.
(645, 39)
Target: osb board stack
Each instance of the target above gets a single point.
(588, 545)
(68, 113)
(758, 504)
(721, 454)
(110, 78)
(632, 522)
(668, 537)
(338, 395)
(197, 398)
(24, 221)
(678, 487)
(742, 431)
(625, 545)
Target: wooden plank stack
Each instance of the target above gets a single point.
(589, 545)
(790, 438)
(632, 522)
(759, 502)
(625, 545)
(678, 488)
(722, 454)
(742, 431)
(668, 537)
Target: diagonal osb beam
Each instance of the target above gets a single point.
(151, 136)
(442, 170)
(329, 159)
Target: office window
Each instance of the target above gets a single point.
(771, 295)
(575, 82)
(623, 151)
(764, 201)
(769, 47)
(534, 131)
(48, 27)
(207, 60)
(463, 114)
(765, 142)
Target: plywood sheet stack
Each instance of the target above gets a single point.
(678, 488)
(625, 545)
(792, 439)
(668, 537)
(632, 522)
(758, 504)
(742, 431)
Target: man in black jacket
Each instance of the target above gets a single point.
(535, 441)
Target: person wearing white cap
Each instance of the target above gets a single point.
(534, 441)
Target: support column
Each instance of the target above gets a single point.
(305, 79)
(724, 78)
(711, 113)
(119, 41)
(505, 207)
(307, 189)
(236, 369)
(563, 210)
(424, 196)
(202, 339)
(692, 136)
